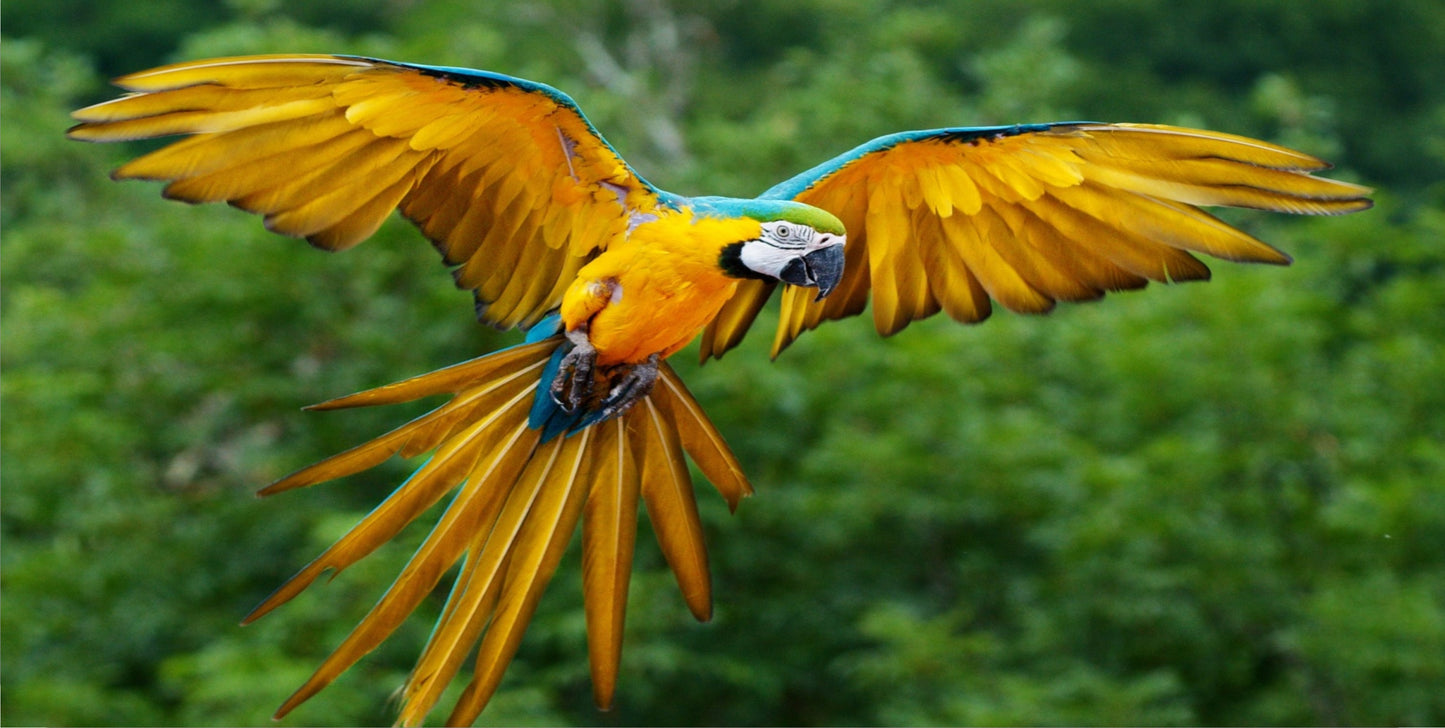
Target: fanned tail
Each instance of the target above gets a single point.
(517, 501)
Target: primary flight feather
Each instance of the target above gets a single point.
(554, 233)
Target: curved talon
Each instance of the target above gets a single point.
(572, 388)
(634, 385)
(575, 374)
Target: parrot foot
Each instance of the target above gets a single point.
(576, 373)
(574, 387)
(634, 385)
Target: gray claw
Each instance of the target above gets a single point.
(572, 389)
(634, 385)
(575, 375)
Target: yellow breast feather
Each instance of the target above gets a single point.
(655, 292)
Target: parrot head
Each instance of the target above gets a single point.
(797, 244)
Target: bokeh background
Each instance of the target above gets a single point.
(1217, 503)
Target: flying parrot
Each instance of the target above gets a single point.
(555, 234)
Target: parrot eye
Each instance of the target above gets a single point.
(787, 235)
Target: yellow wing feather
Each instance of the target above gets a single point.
(727, 328)
(245, 72)
(701, 439)
(609, 533)
(548, 520)
(667, 494)
(506, 177)
(1028, 216)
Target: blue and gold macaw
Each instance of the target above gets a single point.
(538, 215)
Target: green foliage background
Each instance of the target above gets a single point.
(1217, 504)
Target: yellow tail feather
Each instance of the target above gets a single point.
(517, 502)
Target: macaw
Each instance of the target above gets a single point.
(609, 275)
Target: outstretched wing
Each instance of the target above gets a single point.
(951, 219)
(507, 177)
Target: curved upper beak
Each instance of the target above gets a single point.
(822, 268)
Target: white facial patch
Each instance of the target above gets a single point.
(766, 258)
(780, 243)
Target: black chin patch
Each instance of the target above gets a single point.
(731, 262)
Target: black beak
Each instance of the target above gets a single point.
(822, 268)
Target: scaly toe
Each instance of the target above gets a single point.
(575, 375)
(634, 386)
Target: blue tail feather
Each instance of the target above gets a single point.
(547, 415)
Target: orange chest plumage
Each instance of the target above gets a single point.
(655, 292)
